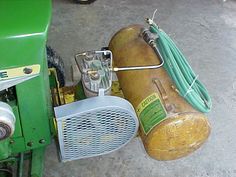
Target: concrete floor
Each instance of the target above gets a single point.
(205, 31)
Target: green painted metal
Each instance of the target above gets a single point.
(4, 149)
(17, 141)
(34, 110)
(36, 165)
(20, 165)
(23, 34)
(18, 131)
(80, 95)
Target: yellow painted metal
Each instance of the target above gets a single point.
(61, 95)
(116, 89)
(181, 129)
(69, 94)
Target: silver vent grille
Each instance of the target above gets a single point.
(95, 126)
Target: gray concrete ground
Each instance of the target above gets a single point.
(205, 31)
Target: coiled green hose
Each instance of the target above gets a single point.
(181, 72)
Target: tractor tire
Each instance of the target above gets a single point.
(84, 1)
(55, 61)
(6, 172)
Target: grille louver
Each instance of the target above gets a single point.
(94, 126)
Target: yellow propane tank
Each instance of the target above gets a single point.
(170, 127)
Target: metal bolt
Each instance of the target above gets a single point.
(42, 141)
(30, 144)
(28, 70)
(95, 76)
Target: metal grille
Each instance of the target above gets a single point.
(96, 131)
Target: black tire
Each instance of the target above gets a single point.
(55, 61)
(84, 1)
(7, 172)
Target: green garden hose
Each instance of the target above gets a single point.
(181, 72)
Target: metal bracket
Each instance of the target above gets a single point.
(168, 106)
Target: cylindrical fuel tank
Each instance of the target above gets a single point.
(170, 127)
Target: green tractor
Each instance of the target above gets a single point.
(24, 84)
(29, 90)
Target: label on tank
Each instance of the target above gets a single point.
(151, 112)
